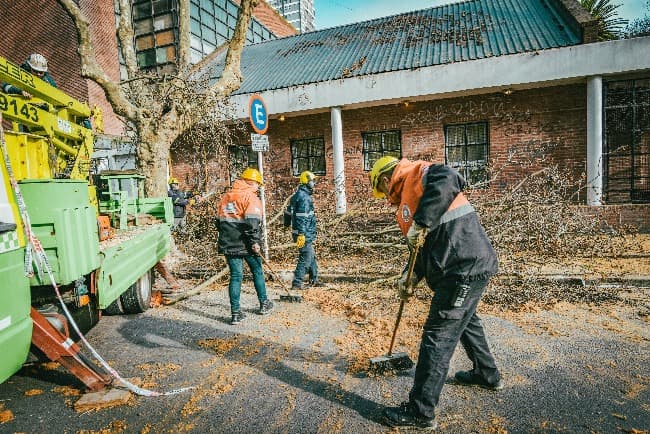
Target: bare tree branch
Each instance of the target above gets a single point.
(183, 33)
(231, 78)
(91, 69)
(125, 34)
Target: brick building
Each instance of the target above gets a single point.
(469, 84)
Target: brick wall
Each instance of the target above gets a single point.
(42, 26)
(273, 21)
(519, 124)
(636, 216)
(101, 17)
(528, 130)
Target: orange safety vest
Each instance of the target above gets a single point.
(406, 189)
(239, 203)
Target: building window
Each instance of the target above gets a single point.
(155, 27)
(241, 157)
(308, 154)
(380, 144)
(212, 23)
(466, 150)
(627, 141)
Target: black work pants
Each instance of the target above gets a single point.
(444, 327)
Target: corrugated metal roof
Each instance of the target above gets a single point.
(451, 33)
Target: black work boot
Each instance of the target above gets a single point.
(265, 307)
(467, 378)
(316, 283)
(407, 416)
(237, 317)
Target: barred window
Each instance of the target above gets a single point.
(380, 144)
(308, 154)
(467, 150)
(241, 157)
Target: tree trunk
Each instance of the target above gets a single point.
(153, 152)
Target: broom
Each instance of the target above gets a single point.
(392, 362)
(292, 298)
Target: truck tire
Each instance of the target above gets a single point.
(137, 298)
(115, 308)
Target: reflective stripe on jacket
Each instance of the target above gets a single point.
(303, 220)
(405, 190)
(456, 245)
(239, 220)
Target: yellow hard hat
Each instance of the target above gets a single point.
(307, 176)
(252, 175)
(381, 166)
(173, 180)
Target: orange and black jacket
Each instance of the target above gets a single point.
(456, 246)
(239, 220)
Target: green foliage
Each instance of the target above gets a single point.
(610, 25)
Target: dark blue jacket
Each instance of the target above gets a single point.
(457, 246)
(303, 219)
(179, 200)
(13, 90)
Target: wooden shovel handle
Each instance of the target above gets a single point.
(411, 265)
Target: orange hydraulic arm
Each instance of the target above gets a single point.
(58, 347)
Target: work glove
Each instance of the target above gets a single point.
(416, 235)
(405, 288)
(192, 202)
(256, 248)
(300, 241)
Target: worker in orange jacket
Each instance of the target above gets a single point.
(240, 227)
(457, 261)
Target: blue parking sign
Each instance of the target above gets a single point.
(258, 114)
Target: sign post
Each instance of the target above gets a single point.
(258, 115)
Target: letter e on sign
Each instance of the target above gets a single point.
(258, 114)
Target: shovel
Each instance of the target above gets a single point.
(392, 362)
(292, 298)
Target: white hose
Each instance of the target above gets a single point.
(35, 256)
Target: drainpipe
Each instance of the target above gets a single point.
(339, 167)
(594, 141)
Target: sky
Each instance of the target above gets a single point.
(330, 13)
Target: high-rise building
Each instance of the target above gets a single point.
(299, 13)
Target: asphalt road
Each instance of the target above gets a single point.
(579, 372)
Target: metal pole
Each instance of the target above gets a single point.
(265, 239)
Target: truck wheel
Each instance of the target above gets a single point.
(136, 299)
(115, 308)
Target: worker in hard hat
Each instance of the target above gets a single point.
(457, 261)
(35, 64)
(180, 201)
(240, 237)
(303, 231)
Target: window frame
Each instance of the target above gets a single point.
(365, 153)
(235, 169)
(468, 168)
(296, 168)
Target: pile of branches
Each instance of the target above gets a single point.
(536, 220)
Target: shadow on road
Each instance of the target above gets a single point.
(265, 359)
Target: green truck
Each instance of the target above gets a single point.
(102, 238)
